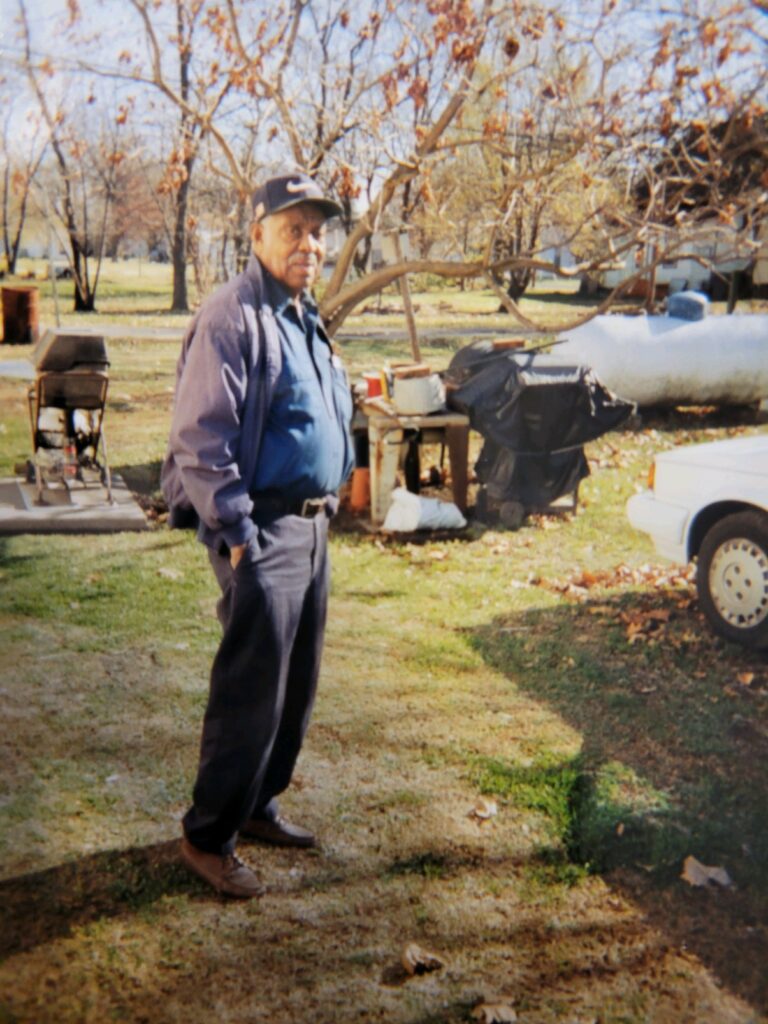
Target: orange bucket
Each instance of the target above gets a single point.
(360, 497)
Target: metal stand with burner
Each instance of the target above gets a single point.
(66, 409)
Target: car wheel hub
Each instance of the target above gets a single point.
(738, 579)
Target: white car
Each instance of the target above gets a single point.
(710, 502)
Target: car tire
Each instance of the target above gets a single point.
(732, 578)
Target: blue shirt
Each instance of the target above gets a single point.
(306, 450)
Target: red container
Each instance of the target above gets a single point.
(373, 383)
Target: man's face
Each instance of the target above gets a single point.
(291, 245)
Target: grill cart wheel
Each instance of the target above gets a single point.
(512, 514)
(732, 578)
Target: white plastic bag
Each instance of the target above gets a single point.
(410, 512)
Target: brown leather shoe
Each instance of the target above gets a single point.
(278, 832)
(227, 874)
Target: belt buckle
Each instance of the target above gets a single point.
(310, 507)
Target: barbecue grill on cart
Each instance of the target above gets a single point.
(535, 413)
(66, 409)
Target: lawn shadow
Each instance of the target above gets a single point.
(677, 419)
(622, 304)
(142, 478)
(49, 904)
(664, 708)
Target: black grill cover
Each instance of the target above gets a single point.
(535, 414)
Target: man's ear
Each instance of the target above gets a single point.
(257, 233)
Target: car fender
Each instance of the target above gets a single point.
(720, 504)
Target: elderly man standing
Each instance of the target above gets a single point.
(259, 446)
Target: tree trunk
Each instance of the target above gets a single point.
(85, 296)
(588, 287)
(242, 235)
(362, 256)
(84, 303)
(518, 282)
(180, 303)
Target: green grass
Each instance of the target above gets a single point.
(131, 292)
(547, 786)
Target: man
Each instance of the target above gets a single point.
(259, 446)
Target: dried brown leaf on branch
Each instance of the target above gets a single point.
(511, 47)
(418, 90)
(708, 32)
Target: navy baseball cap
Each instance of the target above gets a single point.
(289, 190)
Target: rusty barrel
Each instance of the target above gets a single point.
(21, 314)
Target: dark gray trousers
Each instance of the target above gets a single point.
(263, 679)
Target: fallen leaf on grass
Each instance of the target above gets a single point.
(494, 1013)
(696, 873)
(601, 609)
(690, 639)
(746, 678)
(170, 574)
(622, 576)
(643, 624)
(416, 960)
(484, 809)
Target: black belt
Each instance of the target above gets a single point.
(277, 505)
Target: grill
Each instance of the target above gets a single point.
(66, 409)
(535, 413)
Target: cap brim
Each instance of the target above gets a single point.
(328, 207)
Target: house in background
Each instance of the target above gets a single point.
(724, 266)
(714, 180)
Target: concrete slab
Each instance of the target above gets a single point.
(77, 508)
(19, 369)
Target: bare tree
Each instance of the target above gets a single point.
(196, 94)
(19, 167)
(579, 117)
(84, 169)
(179, 66)
(137, 218)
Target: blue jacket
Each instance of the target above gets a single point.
(230, 361)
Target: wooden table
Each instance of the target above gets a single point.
(386, 434)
